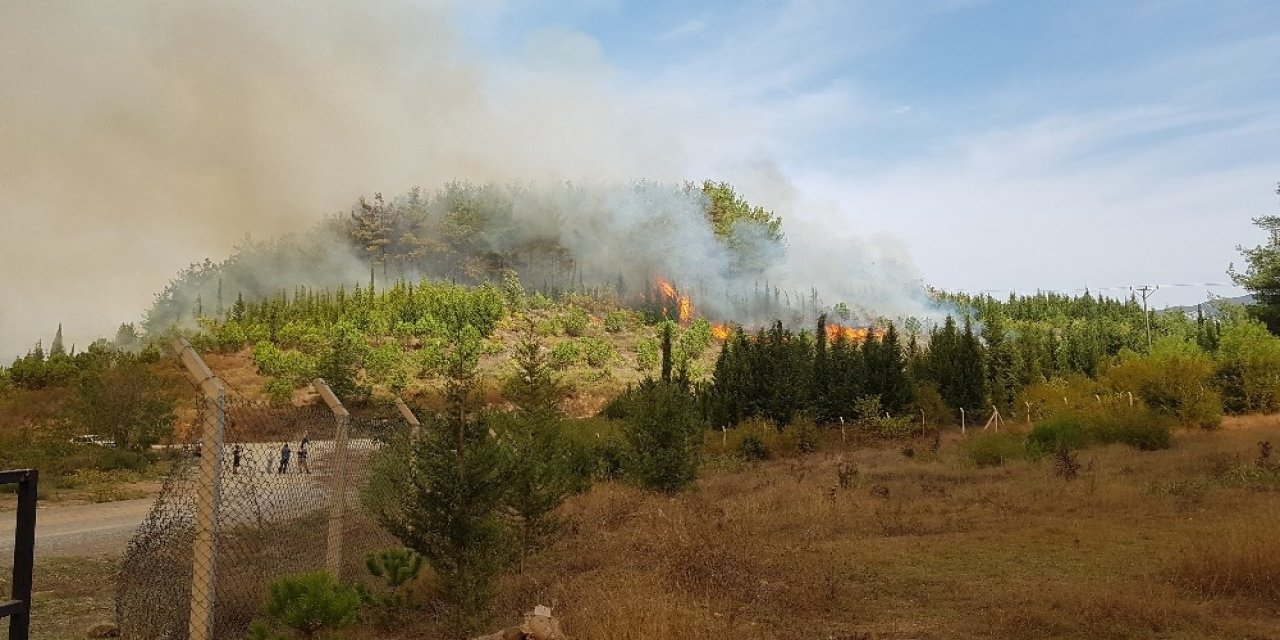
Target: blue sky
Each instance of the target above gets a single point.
(966, 144)
(1008, 145)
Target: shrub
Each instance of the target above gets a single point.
(1137, 426)
(395, 568)
(565, 355)
(647, 355)
(307, 604)
(1063, 430)
(1109, 421)
(618, 321)
(597, 352)
(800, 436)
(575, 321)
(755, 439)
(992, 449)
(663, 436)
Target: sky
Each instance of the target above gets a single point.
(980, 146)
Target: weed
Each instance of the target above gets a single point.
(1065, 463)
(846, 474)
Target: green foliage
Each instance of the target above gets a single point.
(575, 321)
(341, 362)
(647, 354)
(620, 320)
(1112, 421)
(597, 352)
(1247, 365)
(308, 604)
(693, 341)
(444, 500)
(396, 569)
(663, 435)
(992, 449)
(541, 461)
(1262, 275)
(1175, 378)
(801, 436)
(565, 354)
(125, 400)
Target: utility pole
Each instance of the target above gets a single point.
(1146, 291)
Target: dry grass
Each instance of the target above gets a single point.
(1168, 544)
(926, 549)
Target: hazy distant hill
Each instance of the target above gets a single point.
(1208, 306)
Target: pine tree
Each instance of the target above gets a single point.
(56, 348)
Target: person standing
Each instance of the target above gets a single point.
(235, 458)
(284, 458)
(302, 456)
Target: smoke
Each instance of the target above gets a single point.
(138, 137)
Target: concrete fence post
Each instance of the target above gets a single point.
(338, 478)
(208, 493)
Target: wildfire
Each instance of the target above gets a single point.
(684, 306)
(721, 332)
(852, 334)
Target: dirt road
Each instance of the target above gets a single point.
(79, 530)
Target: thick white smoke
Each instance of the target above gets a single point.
(138, 137)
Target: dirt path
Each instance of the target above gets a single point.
(77, 530)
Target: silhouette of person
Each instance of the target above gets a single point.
(302, 457)
(284, 458)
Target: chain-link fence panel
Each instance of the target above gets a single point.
(225, 525)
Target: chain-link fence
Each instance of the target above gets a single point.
(269, 491)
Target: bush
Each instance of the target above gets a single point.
(619, 321)
(565, 355)
(307, 604)
(575, 321)
(1109, 422)
(664, 437)
(800, 436)
(597, 352)
(1064, 430)
(754, 440)
(993, 449)
(648, 352)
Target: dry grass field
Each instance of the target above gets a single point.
(1183, 543)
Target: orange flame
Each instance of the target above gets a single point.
(684, 305)
(853, 334)
(668, 291)
(720, 332)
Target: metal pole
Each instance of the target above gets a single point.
(18, 609)
(338, 486)
(208, 494)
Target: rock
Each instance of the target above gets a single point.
(537, 625)
(104, 630)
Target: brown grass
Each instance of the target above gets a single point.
(924, 549)
(1140, 545)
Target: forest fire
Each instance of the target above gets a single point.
(852, 334)
(684, 306)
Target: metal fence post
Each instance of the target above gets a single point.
(337, 506)
(208, 494)
(18, 609)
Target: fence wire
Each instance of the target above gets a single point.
(274, 509)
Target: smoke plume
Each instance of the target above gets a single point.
(139, 137)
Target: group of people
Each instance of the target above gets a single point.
(286, 455)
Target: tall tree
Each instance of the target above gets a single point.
(1262, 275)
